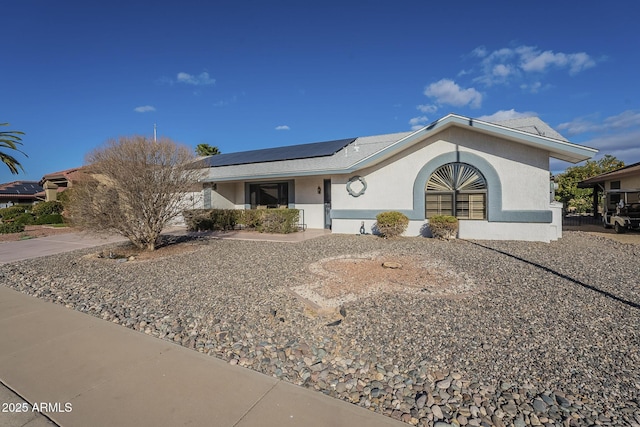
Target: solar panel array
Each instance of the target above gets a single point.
(291, 152)
(26, 188)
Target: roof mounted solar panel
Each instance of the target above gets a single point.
(291, 152)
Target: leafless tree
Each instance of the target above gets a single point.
(133, 186)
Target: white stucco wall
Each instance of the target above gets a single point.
(308, 199)
(521, 190)
(224, 196)
(522, 170)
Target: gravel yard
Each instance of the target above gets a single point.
(533, 334)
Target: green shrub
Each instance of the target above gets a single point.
(283, 221)
(263, 220)
(224, 219)
(443, 226)
(49, 219)
(391, 224)
(11, 227)
(251, 218)
(24, 219)
(197, 219)
(13, 211)
(47, 208)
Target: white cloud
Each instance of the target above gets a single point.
(532, 59)
(502, 70)
(617, 135)
(532, 87)
(418, 122)
(626, 120)
(503, 115)
(578, 126)
(282, 127)
(505, 64)
(480, 52)
(448, 92)
(201, 79)
(144, 109)
(429, 109)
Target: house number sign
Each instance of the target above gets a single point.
(356, 186)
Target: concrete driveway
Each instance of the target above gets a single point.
(43, 246)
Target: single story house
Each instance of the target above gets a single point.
(56, 182)
(19, 192)
(494, 177)
(626, 178)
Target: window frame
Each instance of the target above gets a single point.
(452, 178)
(258, 188)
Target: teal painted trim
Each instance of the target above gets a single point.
(494, 186)
(495, 213)
(541, 217)
(206, 198)
(247, 195)
(291, 193)
(363, 214)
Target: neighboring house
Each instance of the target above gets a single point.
(56, 182)
(625, 178)
(493, 177)
(19, 192)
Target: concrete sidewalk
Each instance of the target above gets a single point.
(91, 372)
(51, 245)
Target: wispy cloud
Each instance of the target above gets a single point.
(144, 109)
(502, 115)
(506, 64)
(524, 67)
(428, 109)
(418, 122)
(225, 102)
(283, 127)
(448, 92)
(532, 59)
(201, 79)
(617, 135)
(626, 120)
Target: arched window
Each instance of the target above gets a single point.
(456, 189)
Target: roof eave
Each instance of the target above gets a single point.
(562, 150)
(558, 149)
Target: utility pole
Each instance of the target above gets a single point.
(155, 133)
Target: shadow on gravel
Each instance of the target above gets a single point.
(564, 276)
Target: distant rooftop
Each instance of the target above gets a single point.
(20, 189)
(633, 169)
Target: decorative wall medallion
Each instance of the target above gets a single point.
(356, 186)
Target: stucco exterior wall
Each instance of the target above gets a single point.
(312, 202)
(629, 182)
(518, 187)
(517, 176)
(224, 196)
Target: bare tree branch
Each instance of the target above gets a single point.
(133, 186)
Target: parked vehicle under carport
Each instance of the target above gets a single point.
(622, 210)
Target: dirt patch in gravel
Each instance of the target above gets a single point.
(343, 279)
(171, 246)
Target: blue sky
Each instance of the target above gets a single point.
(244, 75)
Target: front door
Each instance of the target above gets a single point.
(327, 204)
